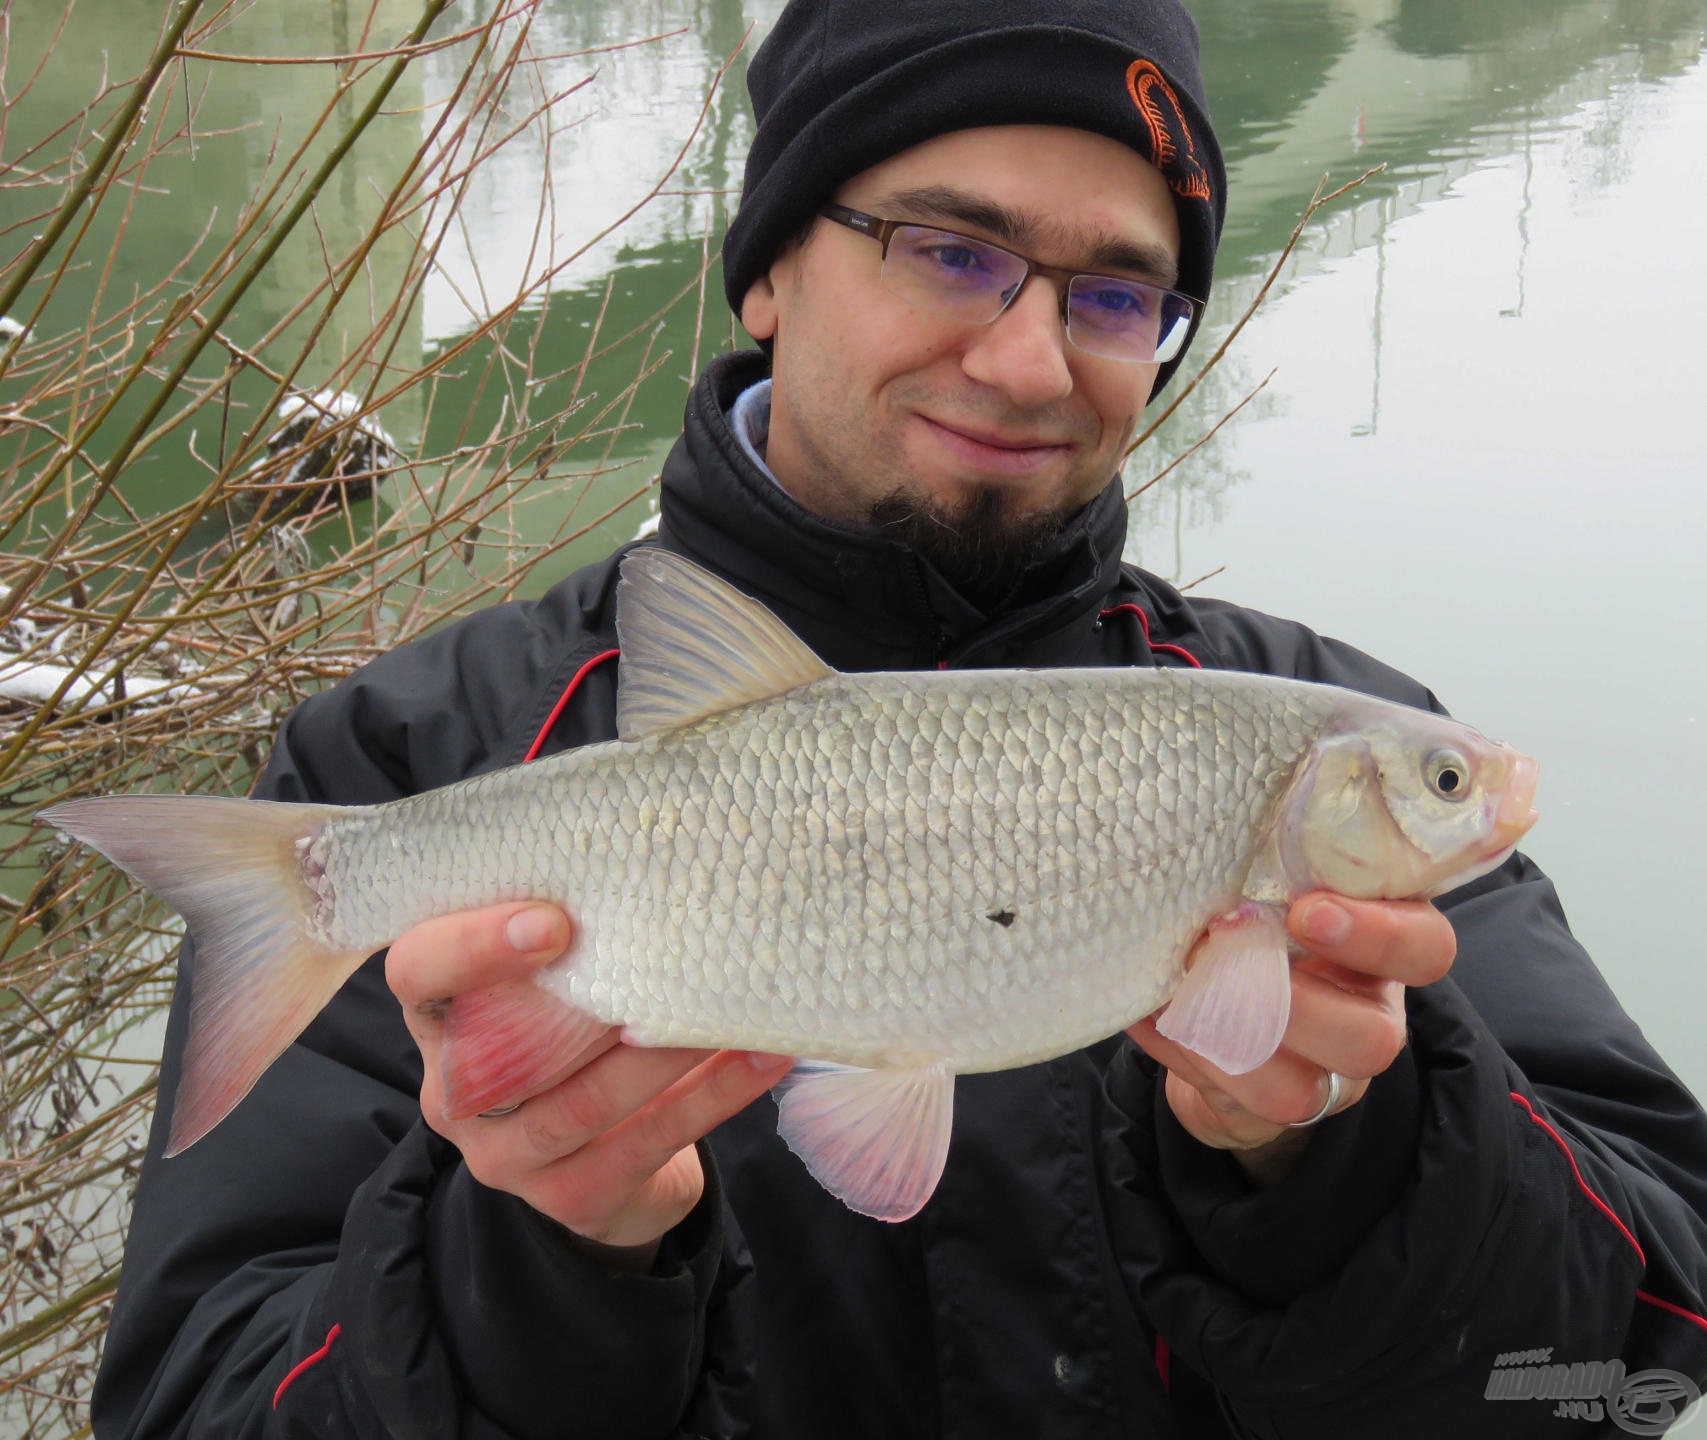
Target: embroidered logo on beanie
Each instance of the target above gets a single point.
(1171, 147)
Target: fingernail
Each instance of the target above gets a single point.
(759, 1060)
(1326, 923)
(530, 931)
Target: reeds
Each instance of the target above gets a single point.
(154, 632)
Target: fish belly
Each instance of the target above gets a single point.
(982, 869)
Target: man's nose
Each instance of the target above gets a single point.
(1023, 351)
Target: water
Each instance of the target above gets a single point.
(1480, 457)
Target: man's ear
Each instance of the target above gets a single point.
(759, 309)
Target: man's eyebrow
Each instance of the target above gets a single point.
(1018, 227)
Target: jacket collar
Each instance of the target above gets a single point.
(720, 509)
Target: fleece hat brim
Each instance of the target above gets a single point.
(840, 85)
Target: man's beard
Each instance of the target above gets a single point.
(982, 546)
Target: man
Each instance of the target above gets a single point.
(964, 237)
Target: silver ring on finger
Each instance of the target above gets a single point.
(1336, 1088)
(500, 1112)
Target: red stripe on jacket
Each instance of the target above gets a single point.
(1144, 624)
(1607, 1211)
(563, 702)
(306, 1363)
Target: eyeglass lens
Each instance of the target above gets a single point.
(961, 276)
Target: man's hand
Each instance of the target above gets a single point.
(1348, 1017)
(606, 1146)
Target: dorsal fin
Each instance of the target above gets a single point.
(693, 646)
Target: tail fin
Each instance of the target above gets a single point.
(231, 869)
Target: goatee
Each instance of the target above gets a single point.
(981, 546)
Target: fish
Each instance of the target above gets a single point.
(892, 877)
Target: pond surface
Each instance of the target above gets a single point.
(1480, 456)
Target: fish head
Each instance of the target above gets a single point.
(1395, 803)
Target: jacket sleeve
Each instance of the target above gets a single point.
(323, 1265)
(1527, 1182)
(1528, 1177)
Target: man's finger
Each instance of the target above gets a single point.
(623, 1159)
(1404, 940)
(600, 1095)
(471, 949)
(1357, 1032)
(1245, 1111)
(1237, 1110)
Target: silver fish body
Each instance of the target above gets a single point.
(984, 868)
(893, 877)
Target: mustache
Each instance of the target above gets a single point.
(983, 411)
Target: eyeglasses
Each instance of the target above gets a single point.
(974, 281)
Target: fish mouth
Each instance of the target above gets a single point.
(1516, 812)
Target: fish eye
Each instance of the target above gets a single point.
(1448, 774)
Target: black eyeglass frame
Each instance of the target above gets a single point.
(881, 230)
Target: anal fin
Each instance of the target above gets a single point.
(875, 1139)
(1233, 1004)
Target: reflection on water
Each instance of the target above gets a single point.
(1300, 89)
(627, 109)
(187, 202)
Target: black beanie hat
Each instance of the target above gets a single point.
(840, 85)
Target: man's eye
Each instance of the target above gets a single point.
(1115, 300)
(955, 257)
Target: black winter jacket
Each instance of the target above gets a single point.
(1528, 1176)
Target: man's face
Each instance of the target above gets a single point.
(884, 412)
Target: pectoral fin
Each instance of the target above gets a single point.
(511, 1041)
(1233, 1004)
(875, 1139)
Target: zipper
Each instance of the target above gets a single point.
(938, 637)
